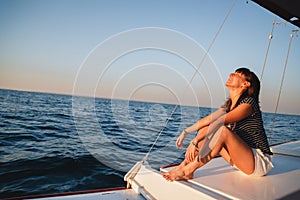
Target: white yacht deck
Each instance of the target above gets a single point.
(281, 181)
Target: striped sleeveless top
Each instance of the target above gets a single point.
(251, 129)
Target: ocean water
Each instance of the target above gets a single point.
(53, 143)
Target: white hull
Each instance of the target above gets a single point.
(216, 180)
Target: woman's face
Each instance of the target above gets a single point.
(236, 80)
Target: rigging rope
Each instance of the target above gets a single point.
(263, 69)
(269, 44)
(282, 80)
(192, 78)
(267, 52)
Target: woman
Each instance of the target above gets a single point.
(235, 131)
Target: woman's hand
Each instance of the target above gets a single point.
(179, 141)
(191, 152)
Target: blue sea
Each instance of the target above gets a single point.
(52, 143)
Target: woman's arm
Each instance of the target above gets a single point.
(205, 121)
(198, 125)
(237, 114)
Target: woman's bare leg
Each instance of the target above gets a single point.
(201, 134)
(224, 153)
(239, 152)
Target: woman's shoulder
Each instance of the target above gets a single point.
(250, 100)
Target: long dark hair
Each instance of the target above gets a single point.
(252, 91)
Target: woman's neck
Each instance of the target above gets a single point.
(234, 96)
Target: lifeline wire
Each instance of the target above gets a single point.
(192, 78)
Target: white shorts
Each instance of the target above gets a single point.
(263, 163)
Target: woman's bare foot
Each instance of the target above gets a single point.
(176, 175)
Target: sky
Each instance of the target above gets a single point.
(145, 50)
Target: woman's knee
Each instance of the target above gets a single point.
(202, 130)
(224, 132)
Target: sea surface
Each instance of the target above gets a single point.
(52, 143)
